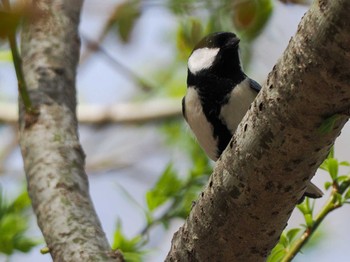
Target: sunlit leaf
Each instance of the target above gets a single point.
(344, 163)
(284, 240)
(327, 185)
(338, 198)
(21, 202)
(277, 253)
(332, 168)
(121, 242)
(347, 194)
(309, 220)
(292, 233)
(181, 6)
(167, 186)
(250, 16)
(5, 56)
(189, 33)
(131, 248)
(14, 224)
(125, 17)
(341, 179)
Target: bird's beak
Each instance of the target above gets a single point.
(233, 43)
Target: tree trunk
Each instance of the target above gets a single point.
(53, 157)
(277, 148)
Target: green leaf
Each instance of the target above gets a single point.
(20, 203)
(292, 233)
(344, 163)
(11, 227)
(121, 242)
(308, 220)
(277, 253)
(341, 179)
(189, 33)
(305, 207)
(130, 248)
(181, 6)
(284, 240)
(14, 224)
(323, 166)
(327, 185)
(331, 152)
(187, 197)
(338, 199)
(5, 56)
(166, 187)
(133, 257)
(125, 17)
(332, 168)
(302, 208)
(250, 16)
(347, 194)
(24, 244)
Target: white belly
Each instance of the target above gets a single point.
(240, 99)
(199, 123)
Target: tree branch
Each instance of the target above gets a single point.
(277, 147)
(135, 112)
(53, 157)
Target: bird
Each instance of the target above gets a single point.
(219, 94)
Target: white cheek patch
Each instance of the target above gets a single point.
(201, 59)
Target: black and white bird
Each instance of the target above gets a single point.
(219, 94)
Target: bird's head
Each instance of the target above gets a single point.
(217, 53)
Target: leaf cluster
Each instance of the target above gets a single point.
(14, 224)
(173, 194)
(247, 17)
(292, 241)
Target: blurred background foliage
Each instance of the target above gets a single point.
(177, 186)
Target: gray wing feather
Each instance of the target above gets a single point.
(254, 85)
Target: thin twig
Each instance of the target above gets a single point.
(94, 45)
(331, 204)
(17, 61)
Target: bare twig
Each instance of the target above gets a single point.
(119, 113)
(17, 61)
(95, 45)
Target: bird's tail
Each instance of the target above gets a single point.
(313, 191)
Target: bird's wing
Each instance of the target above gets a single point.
(183, 108)
(254, 85)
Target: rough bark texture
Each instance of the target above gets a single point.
(277, 148)
(53, 157)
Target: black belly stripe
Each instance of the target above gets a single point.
(214, 92)
(220, 131)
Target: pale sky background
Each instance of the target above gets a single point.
(98, 82)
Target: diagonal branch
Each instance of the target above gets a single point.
(277, 148)
(53, 157)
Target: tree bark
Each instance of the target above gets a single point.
(277, 148)
(53, 157)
